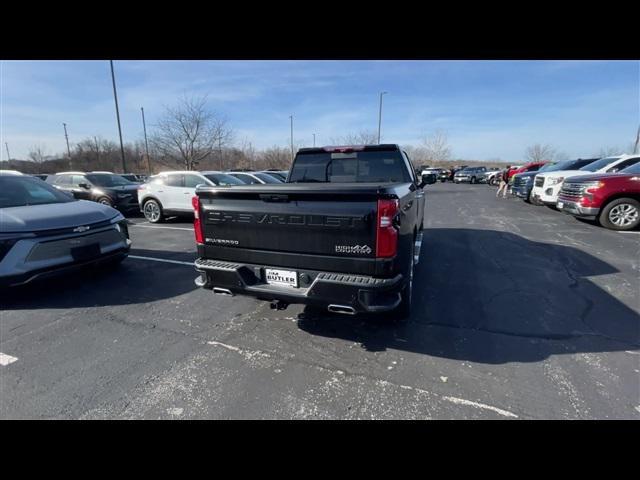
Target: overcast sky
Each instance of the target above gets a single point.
(490, 109)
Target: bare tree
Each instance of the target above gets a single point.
(364, 137)
(190, 132)
(37, 153)
(539, 152)
(435, 148)
(607, 152)
(275, 157)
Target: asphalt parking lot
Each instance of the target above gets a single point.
(520, 312)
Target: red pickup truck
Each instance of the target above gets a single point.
(613, 199)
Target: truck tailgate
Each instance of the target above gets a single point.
(306, 221)
(314, 221)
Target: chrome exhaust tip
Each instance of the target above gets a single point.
(343, 309)
(222, 291)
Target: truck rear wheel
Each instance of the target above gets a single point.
(403, 311)
(620, 214)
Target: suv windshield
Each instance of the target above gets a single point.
(548, 167)
(267, 178)
(358, 167)
(223, 179)
(20, 191)
(635, 168)
(108, 180)
(597, 165)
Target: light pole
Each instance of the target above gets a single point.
(380, 115)
(66, 136)
(146, 143)
(291, 117)
(635, 147)
(115, 97)
(8, 155)
(314, 139)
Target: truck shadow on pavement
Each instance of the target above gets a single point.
(495, 297)
(132, 282)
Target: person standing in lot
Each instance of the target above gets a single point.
(504, 182)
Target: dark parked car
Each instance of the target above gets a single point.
(106, 188)
(135, 177)
(343, 234)
(46, 231)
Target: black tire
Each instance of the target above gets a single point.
(621, 214)
(152, 211)
(473, 180)
(105, 201)
(403, 311)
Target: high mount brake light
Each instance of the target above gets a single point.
(386, 232)
(197, 225)
(346, 149)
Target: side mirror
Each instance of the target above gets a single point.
(428, 179)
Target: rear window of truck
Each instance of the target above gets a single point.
(350, 167)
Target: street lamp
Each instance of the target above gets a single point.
(115, 97)
(146, 143)
(314, 139)
(66, 137)
(291, 117)
(380, 115)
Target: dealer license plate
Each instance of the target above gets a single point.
(281, 277)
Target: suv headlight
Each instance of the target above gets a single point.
(556, 181)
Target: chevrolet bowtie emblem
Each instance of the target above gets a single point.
(81, 229)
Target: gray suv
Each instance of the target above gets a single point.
(469, 174)
(46, 231)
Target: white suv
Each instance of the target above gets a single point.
(170, 193)
(546, 186)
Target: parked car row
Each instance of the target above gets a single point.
(169, 193)
(606, 190)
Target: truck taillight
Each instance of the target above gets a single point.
(386, 233)
(197, 226)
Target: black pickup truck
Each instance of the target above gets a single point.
(343, 233)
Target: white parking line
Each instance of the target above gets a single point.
(168, 228)
(462, 401)
(6, 359)
(164, 260)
